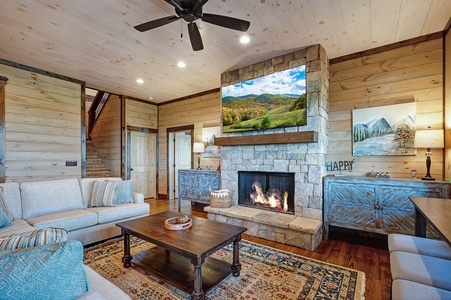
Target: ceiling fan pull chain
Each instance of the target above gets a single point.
(181, 29)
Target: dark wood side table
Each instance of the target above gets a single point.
(437, 211)
(178, 250)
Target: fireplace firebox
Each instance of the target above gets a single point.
(272, 191)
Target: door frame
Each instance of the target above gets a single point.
(172, 153)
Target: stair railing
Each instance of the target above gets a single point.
(96, 108)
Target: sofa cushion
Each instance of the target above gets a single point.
(4, 207)
(418, 245)
(86, 187)
(17, 226)
(52, 271)
(103, 193)
(121, 211)
(48, 197)
(70, 220)
(11, 196)
(33, 238)
(409, 290)
(124, 191)
(422, 269)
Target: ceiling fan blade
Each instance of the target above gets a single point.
(198, 4)
(228, 22)
(156, 23)
(194, 36)
(176, 4)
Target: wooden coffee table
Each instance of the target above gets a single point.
(182, 256)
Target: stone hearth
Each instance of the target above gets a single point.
(283, 228)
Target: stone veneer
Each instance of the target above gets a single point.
(306, 160)
(283, 228)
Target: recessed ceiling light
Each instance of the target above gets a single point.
(181, 64)
(140, 80)
(244, 39)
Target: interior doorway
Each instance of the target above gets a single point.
(143, 162)
(179, 157)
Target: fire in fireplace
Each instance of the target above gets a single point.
(266, 190)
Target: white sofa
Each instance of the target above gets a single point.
(64, 203)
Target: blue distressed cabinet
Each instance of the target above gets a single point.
(194, 185)
(375, 204)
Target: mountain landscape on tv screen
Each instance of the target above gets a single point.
(256, 112)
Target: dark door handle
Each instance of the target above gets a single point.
(131, 169)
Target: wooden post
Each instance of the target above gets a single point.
(3, 81)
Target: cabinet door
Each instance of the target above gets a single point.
(207, 181)
(397, 211)
(188, 186)
(352, 206)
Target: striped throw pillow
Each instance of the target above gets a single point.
(4, 207)
(104, 193)
(33, 238)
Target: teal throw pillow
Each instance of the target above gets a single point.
(53, 271)
(4, 220)
(124, 191)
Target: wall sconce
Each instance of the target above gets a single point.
(429, 139)
(198, 148)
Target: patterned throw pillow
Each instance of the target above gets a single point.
(103, 193)
(3, 206)
(124, 191)
(33, 238)
(52, 271)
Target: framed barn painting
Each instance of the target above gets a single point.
(384, 130)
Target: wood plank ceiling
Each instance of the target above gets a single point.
(94, 40)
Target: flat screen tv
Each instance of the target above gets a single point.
(272, 101)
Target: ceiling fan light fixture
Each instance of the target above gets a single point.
(139, 81)
(244, 39)
(181, 64)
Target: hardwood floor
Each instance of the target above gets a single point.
(366, 253)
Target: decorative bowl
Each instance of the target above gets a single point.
(176, 223)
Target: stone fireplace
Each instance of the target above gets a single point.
(306, 160)
(272, 191)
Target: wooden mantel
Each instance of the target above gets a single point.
(264, 139)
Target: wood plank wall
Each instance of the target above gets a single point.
(140, 114)
(106, 135)
(200, 111)
(447, 47)
(43, 126)
(409, 73)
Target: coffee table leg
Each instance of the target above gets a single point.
(198, 293)
(236, 266)
(127, 258)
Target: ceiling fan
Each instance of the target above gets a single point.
(191, 10)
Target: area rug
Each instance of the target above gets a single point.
(266, 273)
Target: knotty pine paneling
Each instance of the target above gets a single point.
(447, 47)
(141, 114)
(406, 74)
(106, 135)
(201, 111)
(42, 126)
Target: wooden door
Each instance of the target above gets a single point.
(143, 162)
(182, 156)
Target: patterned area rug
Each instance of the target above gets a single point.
(266, 273)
